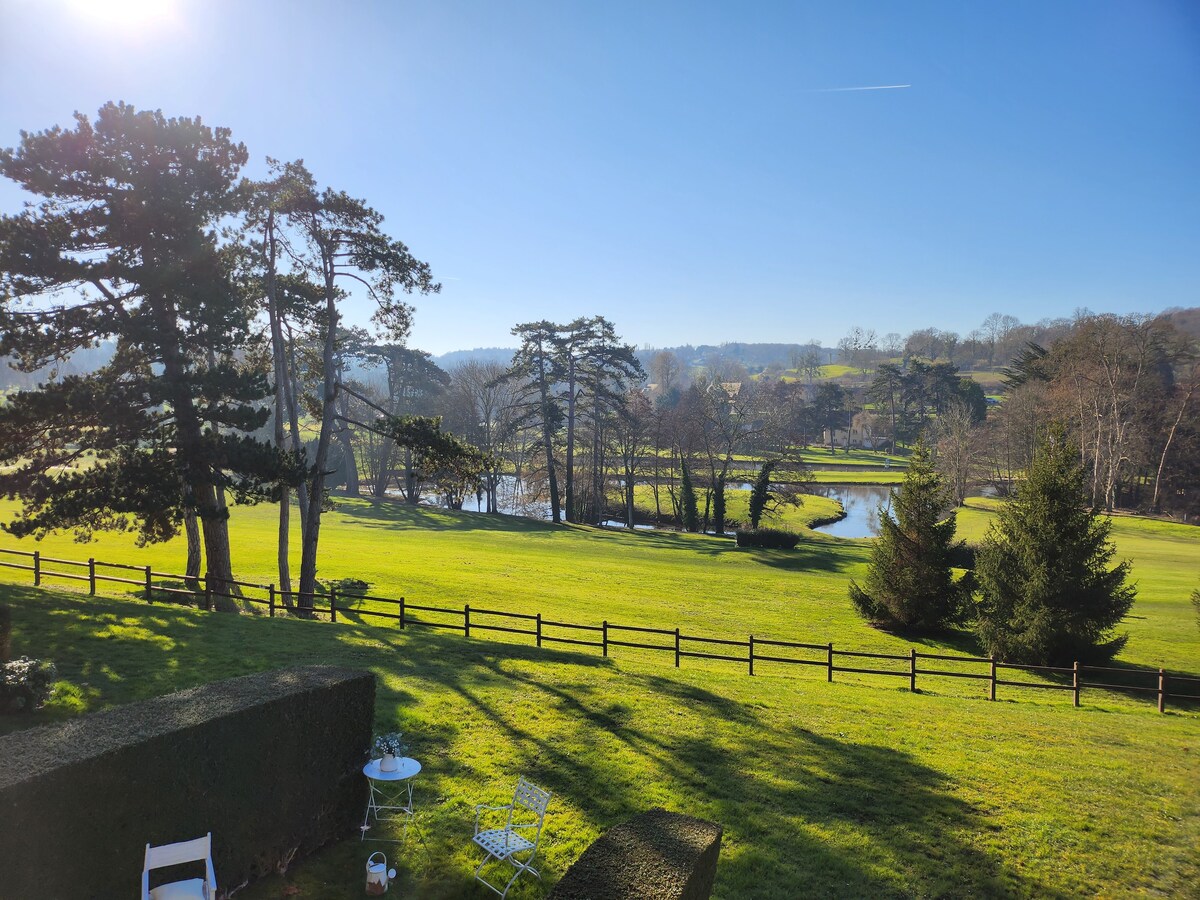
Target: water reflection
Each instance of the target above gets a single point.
(861, 502)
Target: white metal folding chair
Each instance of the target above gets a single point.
(505, 845)
(173, 855)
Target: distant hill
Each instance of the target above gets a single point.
(454, 358)
(80, 363)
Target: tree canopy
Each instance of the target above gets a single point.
(123, 244)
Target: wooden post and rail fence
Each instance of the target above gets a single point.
(754, 650)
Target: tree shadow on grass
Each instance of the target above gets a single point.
(808, 556)
(808, 814)
(395, 515)
(805, 813)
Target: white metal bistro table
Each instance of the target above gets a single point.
(391, 793)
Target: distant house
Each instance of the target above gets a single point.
(861, 437)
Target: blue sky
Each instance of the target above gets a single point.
(686, 169)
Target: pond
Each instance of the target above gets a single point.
(861, 502)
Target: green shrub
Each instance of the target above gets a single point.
(769, 538)
(26, 684)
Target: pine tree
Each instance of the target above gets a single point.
(910, 585)
(1048, 595)
(687, 501)
(121, 242)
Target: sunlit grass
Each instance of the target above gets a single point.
(702, 584)
(827, 790)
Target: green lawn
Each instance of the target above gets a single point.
(869, 476)
(824, 790)
(705, 585)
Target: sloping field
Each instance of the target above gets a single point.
(824, 790)
(704, 585)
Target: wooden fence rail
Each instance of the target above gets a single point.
(662, 640)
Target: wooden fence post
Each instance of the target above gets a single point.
(539, 629)
(677, 648)
(149, 597)
(829, 664)
(1162, 690)
(752, 654)
(1075, 682)
(92, 575)
(992, 692)
(401, 613)
(332, 603)
(271, 601)
(604, 637)
(466, 620)
(912, 669)
(37, 567)
(208, 600)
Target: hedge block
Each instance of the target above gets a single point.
(271, 764)
(657, 855)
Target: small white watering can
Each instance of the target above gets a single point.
(379, 876)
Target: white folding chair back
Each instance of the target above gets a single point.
(505, 845)
(197, 850)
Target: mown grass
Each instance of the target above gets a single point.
(875, 476)
(823, 790)
(702, 584)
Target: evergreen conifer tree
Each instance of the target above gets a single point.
(687, 501)
(760, 493)
(909, 585)
(1047, 594)
(719, 506)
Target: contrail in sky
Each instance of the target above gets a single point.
(873, 87)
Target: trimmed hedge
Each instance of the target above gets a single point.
(768, 538)
(657, 855)
(271, 764)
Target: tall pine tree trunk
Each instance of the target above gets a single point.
(569, 472)
(197, 473)
(191, 528)
(316, 494)
(384, 475)
(551, 478)
(279, 359)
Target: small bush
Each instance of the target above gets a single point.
(770, 538)
(26, 684)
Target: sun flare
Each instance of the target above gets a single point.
(125, 16)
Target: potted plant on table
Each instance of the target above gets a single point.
(391, 747)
